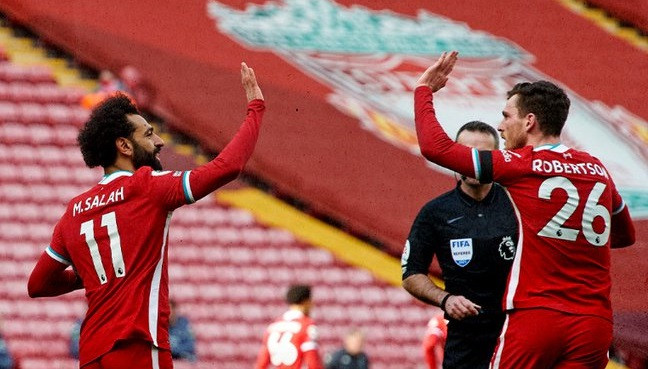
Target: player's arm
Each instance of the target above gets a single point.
(433, 351)
(229, 164)
(198, 183)
(309, 348)
(433, 141)
(52, 278)
(312, 360)
(622, 233)
(263, 358)
(415, 263)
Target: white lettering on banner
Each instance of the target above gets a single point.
(371, 59)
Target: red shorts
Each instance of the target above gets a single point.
(133, 354)
(544, 338)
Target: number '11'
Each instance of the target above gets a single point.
(110, 222)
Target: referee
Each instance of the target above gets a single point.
(473, 232)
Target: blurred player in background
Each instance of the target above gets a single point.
(350, 356)
(472, 230)
(434, 341)
(291, 341)
(115, 235)
(181, 337)
(570, 215)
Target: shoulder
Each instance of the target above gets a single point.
(143, 173)
(499, 190)
(513, 155)
(307, 321)
(439, 202)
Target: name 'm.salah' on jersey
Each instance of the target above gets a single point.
(564, 200)
(474, 242)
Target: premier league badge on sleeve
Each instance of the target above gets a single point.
(462, 251)
(507, 248)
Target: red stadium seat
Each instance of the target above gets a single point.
(8, 112)
(21, 92)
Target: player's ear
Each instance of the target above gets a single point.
(531, 122)
(124, 146)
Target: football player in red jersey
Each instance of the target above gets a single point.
(434, 341)
(570, 215)
(115, 234)
(291, 340)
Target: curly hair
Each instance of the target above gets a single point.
(107, 122)
(546, 101)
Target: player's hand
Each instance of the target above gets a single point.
(252, 89)
(459, 307)
(436, 76)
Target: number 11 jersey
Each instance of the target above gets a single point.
(115, 237)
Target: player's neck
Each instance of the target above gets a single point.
(478, 193)
(121, 164)
(543, 140)
(301, 308)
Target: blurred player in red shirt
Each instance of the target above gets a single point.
(291, 341)
(570, 214)
(434, 341)
(114, 236)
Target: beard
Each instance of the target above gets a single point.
(142, 158)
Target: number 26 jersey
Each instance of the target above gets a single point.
(564, 200)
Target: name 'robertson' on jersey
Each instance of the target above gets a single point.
(560, 167)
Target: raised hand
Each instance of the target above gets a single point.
(252, 89)
(436, 76)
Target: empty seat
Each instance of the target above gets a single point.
(8, 112)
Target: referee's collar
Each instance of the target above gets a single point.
(471, 201)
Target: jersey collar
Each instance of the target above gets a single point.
(470, 201)
(114, 175)
(560, 148)
(292, 315)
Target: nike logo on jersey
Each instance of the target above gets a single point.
(454, 219)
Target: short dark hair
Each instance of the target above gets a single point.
(107, 123)
(479, 126)
(548, 102)
(298, 294)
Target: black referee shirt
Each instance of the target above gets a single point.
(474, 241)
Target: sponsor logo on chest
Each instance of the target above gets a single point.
(462, 251)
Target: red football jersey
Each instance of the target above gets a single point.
(434, 341)
(564, 200)
(115, 236)
(289, 342)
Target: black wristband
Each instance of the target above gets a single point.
(443, 302)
